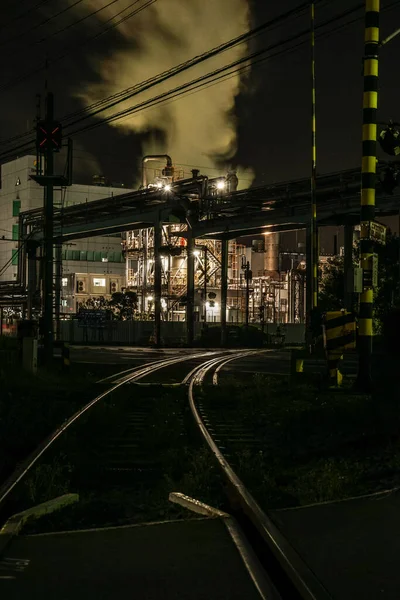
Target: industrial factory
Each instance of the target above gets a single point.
(265, 284)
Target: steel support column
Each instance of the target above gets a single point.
(348, 267)
(157, 282)
(224, 288)
(48, 226)
(190, 289)
(32, 277)
(57, 288)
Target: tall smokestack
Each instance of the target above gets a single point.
(271, 256)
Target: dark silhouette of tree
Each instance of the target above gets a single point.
(121, 307)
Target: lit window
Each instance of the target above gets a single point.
(64, 281)
(99, 282)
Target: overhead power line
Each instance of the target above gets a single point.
(77, 46)
(195, 61)
(111, 101)
(25, 13)
(218, 74)
(74, 23)
(214, 77)
(179, 68)
(27, 32)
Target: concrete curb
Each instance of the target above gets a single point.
(264, 586)
(14, 524)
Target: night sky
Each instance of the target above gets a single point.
(272, 111)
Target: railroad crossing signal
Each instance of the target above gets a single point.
(48, 136)
(389, 140)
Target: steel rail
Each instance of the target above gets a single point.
(139, 373)
(302, 577)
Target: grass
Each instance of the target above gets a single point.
(314, 445)
(31, 407)
(185, 465)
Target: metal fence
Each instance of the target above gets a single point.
(141, 332)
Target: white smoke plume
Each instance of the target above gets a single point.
(199, 128)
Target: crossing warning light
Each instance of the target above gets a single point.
(389, 140)
(48, 136)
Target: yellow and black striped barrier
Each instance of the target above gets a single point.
(339, 335)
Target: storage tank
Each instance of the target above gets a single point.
(271, 256)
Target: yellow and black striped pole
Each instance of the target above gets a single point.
(368, 177)
(312, 232)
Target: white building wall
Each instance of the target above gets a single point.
(16, 186)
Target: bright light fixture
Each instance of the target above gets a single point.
(196, 252)
(159, 185)
(150, 298)
(221, 185)
(167, 187)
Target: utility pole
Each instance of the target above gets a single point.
(48, 240)
(368, 182)
(312, 231)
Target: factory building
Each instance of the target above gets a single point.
(90, 267)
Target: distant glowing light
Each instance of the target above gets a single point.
(221, 185)
(196, 252)
(159, 185)
(167, 187)
(267, 232)
(150, 298)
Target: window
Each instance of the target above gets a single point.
(97, 256)
(83, 255)
(16, 207)
(15, 232)
(14, 259)
(99, 282)
(64, 281)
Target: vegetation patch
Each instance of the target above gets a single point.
(312, 445)
(168, 443)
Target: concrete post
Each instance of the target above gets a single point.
(348, 267)
(157, 283)
(224, 289)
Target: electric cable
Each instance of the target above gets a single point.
(25, 33)
(178, 91)
(73, 49)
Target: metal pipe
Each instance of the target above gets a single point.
(153, 157)
(157, 282)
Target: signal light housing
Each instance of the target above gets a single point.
(48, 136)
(389, 140)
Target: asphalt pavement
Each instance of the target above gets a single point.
(191, 560)
(352, 546)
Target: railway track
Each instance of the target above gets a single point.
(115, 458)
(120, 459)
(226, 437)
